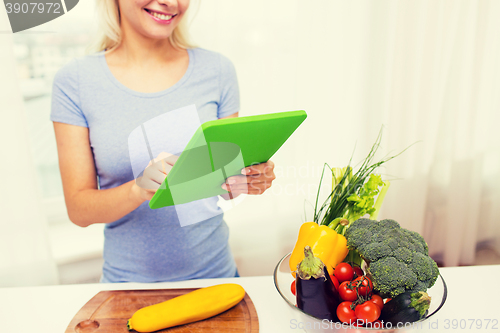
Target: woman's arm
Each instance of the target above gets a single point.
(85, 203)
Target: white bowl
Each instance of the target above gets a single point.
(301, 320)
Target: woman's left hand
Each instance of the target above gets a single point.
(255, 179)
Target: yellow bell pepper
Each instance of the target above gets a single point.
(325, 243)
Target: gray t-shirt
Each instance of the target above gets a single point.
(150, 245)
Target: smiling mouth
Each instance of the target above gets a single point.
(160, 16)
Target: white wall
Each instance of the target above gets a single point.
(25, 257)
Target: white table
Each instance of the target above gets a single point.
(51, 308)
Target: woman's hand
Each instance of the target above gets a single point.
(255, 179)
(151, 178)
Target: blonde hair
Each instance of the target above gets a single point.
(110, 34)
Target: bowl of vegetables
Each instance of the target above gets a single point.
(397, 287)
(349, 272)
(283, 281)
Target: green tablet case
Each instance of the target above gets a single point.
(220, 149)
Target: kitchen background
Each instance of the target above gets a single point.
(426, 71)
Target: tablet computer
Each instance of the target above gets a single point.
(220, 149)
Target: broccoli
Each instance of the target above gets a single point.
(398, 259)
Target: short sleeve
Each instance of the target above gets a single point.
(230, 94)
(66, 97)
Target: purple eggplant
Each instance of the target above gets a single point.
(316, 294)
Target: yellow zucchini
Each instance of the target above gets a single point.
(196, 305)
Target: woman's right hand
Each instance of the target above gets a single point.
(153, 176)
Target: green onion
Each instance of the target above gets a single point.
(353, 193)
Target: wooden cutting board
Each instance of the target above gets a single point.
(109, 311)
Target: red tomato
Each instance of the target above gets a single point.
(377, 324)
(344, 272)
(345, 313)
(358, 271)
(387, 300)
(368, 312)
(292, 287)
(346, 293)
(377, 300)
(335, 281)
(364, 285)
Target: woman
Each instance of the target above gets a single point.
(145, 69)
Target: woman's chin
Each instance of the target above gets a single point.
(156, 30)
(155, 34)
